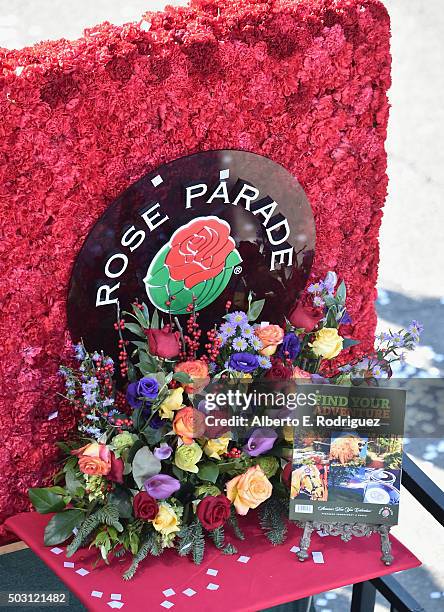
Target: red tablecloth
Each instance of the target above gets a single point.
(271, 576)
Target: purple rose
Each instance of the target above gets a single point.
(146, 388)
(161, 486)
(243, 362)
(260, 441)
(163, 451)
(290, 347)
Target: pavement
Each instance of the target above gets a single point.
(411, 281)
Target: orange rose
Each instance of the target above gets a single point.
(189, 423)
(94, 459)
(197, 370)
(249, 489)
(298, 373)
(270, 336)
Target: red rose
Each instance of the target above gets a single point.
(199, 250)
(279, 371)
(306, 317)
(286, 474)
(213, 511)
(145, 507)
(116, 472)
(163, 342)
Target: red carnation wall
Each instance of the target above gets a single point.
(301, 81)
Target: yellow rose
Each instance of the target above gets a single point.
(288, 432)
(174, 401)
(328, 343)
(186, 457)
(217, 447)
(166, 520)
(249, 489)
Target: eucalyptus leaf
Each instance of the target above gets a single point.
(122, 500)
(136, 329)
(155, 320)
(182, 377)
(145, 465)
(61, 526)
(341, 293)
(208, 471)
(255, 310)
(348, 342)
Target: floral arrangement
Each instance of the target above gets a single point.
(144, 474)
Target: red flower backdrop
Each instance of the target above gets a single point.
(301, 81)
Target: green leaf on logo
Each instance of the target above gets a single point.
(160, 287)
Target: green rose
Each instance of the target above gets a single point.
(123, 441)
(186, 457)
(269, 465)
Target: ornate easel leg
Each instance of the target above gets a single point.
(386, 545)
(305, 541)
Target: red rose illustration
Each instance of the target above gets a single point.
(199, 250)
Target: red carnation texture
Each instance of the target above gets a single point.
(303, 83)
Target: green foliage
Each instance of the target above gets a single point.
(273, 514)
(191, 540)
(254, 309)
(61, 526)
(229, 549)
(218, 537)
(235, 525)
(209, 471)
(151, 545)
(48, 499)
(108, 515)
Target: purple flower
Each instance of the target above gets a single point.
(345, 319)
(317, 379)
(146, 388)
(330, 282)
(415, 329)
(243, 362)
(260, 441)
(238, 318)
(316, 287)
(161, 486)
(290, 347)
(227, 329)
(163, 451)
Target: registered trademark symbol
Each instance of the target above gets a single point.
(237, 269)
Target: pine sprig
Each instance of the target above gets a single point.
(150, 546)
(108, 515)
(229, 549)
(218, 537)
(191, 540)
(272, 518)
(235, 525)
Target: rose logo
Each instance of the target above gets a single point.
(198, 262)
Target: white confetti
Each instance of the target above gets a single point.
(19, 70)
(322, 534)
(75, 531)
(224, 174)
(295, 549)
(321, 602)
(145, 26)
(68, 564)
(243, 559)
(318, 557)
(115, 604)
(157, 180)
(435, 595)
(189, 592)
(169, 592)
(116, 596)
(212, 587)
(56, 550)
(212, 572)
(167, 604)
(53, 415)
(82, 571)
(331, 596)
(98, 594)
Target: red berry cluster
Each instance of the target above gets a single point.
(118, 422)
(168, 302)
(123, 357)
(119, 325)
(234, 453)
(213, 345)
(193, 334)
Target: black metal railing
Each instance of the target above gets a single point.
(431, 498)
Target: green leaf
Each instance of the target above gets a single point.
(255, 310)
(147, 363)
(49, 499)
(182, 377)
(155, 320)
(209, 471)
(122, 500)
(341, 293)
(145, 465)
(152, 436)
(178, 473)
(61, 526)
(140, 317)
(348, 342)
(136, 329)
(74, 486)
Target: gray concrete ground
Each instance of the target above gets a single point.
(411, 280)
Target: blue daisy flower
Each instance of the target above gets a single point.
(238, 318)
(265, 362)
(255, 343)
(227, 329)
(239, 344)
